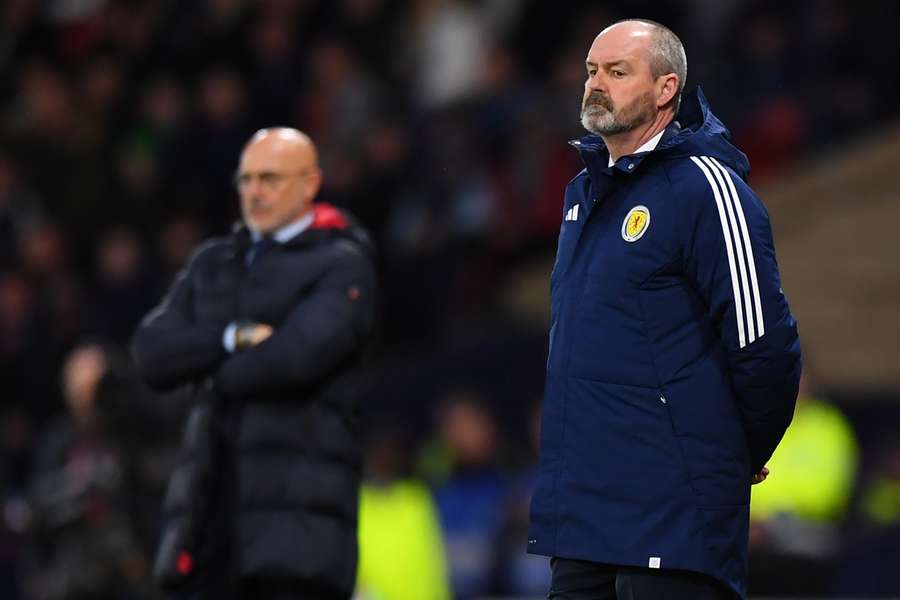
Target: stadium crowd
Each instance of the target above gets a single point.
(442, 126)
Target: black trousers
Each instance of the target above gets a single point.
(584, 580)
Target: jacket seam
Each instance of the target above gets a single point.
(562, 466)
(675, 437)
(646, 334)
(676, 213)
(564, 454)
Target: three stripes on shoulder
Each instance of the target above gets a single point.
(741, 263)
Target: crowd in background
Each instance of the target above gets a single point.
(442, 125)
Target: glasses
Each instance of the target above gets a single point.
(269, 180)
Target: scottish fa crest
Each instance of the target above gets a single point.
(636, 222)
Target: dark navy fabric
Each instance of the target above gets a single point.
(674, 359)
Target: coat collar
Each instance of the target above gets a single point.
(696, 131)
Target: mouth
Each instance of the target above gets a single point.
(258, 209)
(257, 213)
(598, 101)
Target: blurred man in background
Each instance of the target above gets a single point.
(401, 546)
(674, 359)
(269, 324)
(92, 485)
(86, 542)
(470, 500)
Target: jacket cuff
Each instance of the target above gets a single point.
(229, 337)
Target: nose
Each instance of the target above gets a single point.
(596, 82)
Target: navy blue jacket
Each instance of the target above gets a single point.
(674, 359)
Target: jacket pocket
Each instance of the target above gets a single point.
(620, 446)
(678, 443)
(712, 449)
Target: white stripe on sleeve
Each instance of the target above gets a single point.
(751, 263)
(738, 247)
(738, 310)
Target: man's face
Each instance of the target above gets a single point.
(277, 180)
(619, 93)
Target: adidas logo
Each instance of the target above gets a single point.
(572, 214)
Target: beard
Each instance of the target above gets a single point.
(600, 117)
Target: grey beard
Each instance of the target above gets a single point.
(600, 121)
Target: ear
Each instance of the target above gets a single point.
(666, 88)
(315, 179)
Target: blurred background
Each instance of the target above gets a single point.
(442, 124)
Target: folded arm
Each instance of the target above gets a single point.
(170, 346)
(327, 326)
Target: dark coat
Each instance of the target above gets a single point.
(674, 358)
(286, 409)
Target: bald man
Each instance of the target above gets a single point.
(674, 358)
(268, 324)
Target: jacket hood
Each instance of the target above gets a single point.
(696, 131)
(329, 219)
(703, 134)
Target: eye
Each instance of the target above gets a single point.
(268, 178)
(618, 73)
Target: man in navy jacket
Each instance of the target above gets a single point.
(270, 323)
(674, 359)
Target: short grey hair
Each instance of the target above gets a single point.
(666, 54)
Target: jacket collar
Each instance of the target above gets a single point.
(651, 144)
(596, 157)
(328, 222)
(695, 131)
(287, 232)
(323, 217)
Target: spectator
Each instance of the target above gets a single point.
(796, 517)
(868, 557)
(20, 207)
(401, 552)
(470, 499)
(523, 574)
(87, 542)
(122, 291)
